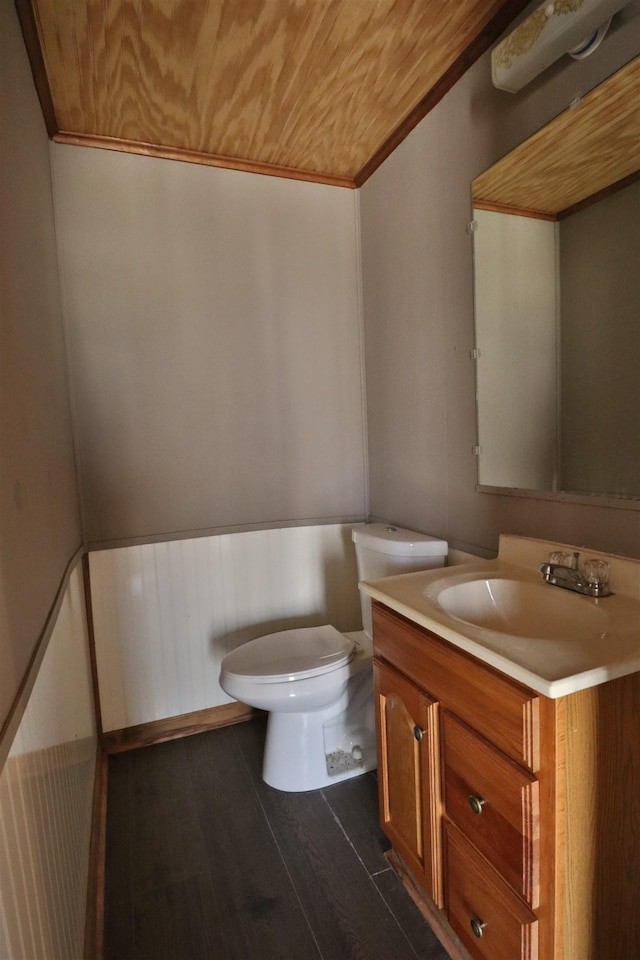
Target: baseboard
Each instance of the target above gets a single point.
(432, 914)
(171, 728)
(94, 919)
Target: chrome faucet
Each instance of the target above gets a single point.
(569, 577)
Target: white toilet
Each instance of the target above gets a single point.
(317, 683)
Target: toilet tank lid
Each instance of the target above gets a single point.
(397, 542)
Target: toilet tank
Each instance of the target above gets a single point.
(383, 550)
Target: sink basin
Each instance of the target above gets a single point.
(523, 609)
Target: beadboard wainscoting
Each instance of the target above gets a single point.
(165, 614)
(46, 791)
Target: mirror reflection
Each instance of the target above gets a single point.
(557, 288)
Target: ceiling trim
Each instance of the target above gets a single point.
(205, 159)
(487, 36)
(513, 211)
(31, 38)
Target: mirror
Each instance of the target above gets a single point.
(557, 303)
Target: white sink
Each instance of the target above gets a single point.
(523, 609)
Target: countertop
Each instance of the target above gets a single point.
(554, 668)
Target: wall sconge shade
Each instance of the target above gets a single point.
(552, 30)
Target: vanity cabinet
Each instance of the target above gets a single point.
(514, 818)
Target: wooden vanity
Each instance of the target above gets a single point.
(514, 817)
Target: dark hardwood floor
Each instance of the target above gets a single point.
(206, 862)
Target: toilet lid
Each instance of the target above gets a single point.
(290, 655)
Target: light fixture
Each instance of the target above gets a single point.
(576, 27)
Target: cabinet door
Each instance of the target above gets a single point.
(409, 775)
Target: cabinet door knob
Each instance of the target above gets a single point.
(477, 926)
(476, 803)
(418, 733)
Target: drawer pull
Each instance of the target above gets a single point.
(477, 926)
(476, 803)
(418, 733)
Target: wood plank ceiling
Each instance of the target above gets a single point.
(583, 153)
(313, 89)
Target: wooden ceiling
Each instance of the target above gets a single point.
(312, 89)
(579, 156)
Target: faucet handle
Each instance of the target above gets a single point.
(564, 559)
(596, 571)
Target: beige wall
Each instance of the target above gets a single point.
(215, 338)
(39, 525)
(418, 312)
(600, 371)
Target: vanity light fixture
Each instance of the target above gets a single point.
(576, 27)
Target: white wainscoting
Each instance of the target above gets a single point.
(165, 614)
(46, 791)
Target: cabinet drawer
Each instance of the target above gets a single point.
(478, 897)
(495, 803)
(500, 709)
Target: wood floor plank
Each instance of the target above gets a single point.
(346, 912)
(355, 804)
(119, 929)
(178, 922)
(350, 919)
(261, 916)
(118, 823)
(118, 914)
(416, 929)
(164, 820)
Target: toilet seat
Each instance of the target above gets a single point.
(290, 655)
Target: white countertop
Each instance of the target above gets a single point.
(554, 668)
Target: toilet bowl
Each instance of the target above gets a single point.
(307, 696)
(317, 683)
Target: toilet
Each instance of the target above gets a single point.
(316, 683)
